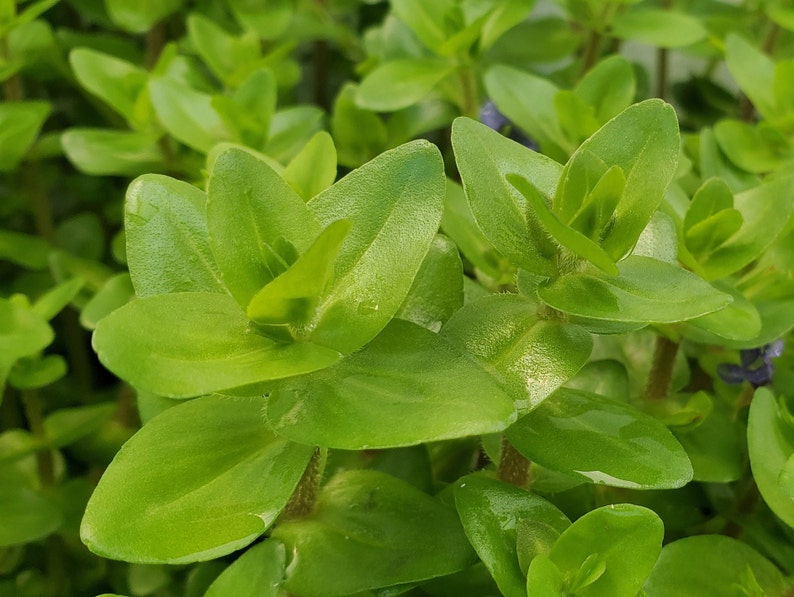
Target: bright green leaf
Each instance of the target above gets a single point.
(660, 28)
(141, 15)
(753, 70)
(601, 440)
(398, 84)
(314, 169)
(192, 343)
(116, 292)
(256, 573)
(67, 425)
(406, 387)
(105, 152)
(20, 123)
(209, 471)
(370, 530)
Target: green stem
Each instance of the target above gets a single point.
(513, 465)
(303, 499)
(470, 104)
(662, 369)
(661, 72)
(34, 414)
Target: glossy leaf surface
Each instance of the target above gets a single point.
(395, 203)
(256, 573)
(191, 343)
(601, 440)
(370, 530)
(199, 481)
(531, 357)
(490, 511)
(407, 386)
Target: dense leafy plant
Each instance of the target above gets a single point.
(422, 298)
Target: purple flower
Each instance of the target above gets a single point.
(756, 365)
(491, 117)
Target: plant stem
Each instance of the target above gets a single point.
(155, 42)
(513, 465)
(33, 412)
(661, 72)
(302, 501)
(662, 369)
(470, 105)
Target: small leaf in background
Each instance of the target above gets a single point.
(314, 169)
(192, 343)
(65, 426)
(395, 203)
(116, 292)
(753, 71)
(20, 123)
(267, 24)
(529, 356)
(250, 110)
(369, 530)
(25, 514)
(646, 290)
(209, 471)
(406, 387)
(484, 158)
(56, 299)
(290, 130)
(23, 332)
(602, 440)
(257, 224)
(508, 88)
(610, 551)
(398, 84)
(229, 57)
(755, 148)
(428, 20)
(437, 291)
(36, 372)
(31, 252)
(770, 440)
(257, 573)
(168, 245)
(713, 565)
(660, 28)
(609, 87)
(359, 134)
(140, 16)
(491, 511)
(116, 82)
(105, 152)
(188, 115)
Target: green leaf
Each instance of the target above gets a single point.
(116, 292)
(258, 225)
(25, 515)
(56, 299)
(67, 425)
(646, 291)
(568, 237)
(754, 71)
(229, 57)
(395, 203)
(290, 130)
(250, 110)
(269, 23)
(623, 538)
(459, 224)
(659, 239)
(531, 357)
(577, 119)
(188, 115)
(406, 387)
(314, 169)
(754, 148)
(116, 82)
(23, 332)
(765, 210)
(510, 89)
(601, 440)
(544, 578)
(140, 16)
(740, 321)
(712, 565)
(710, 234)
(712, 197)
(370, 530)
(428, 20)
(502, 18)
(209, 471)
(437, 291)
(484, 158)
(770, 441)
(490, 512)
(104, 152)
(397, 84)
(256, 573)
(20, 123)
(643, 141)
(36, 372)
(292, 298)
(168, 245)
(360, 134)
(192, 343)
(658, 27)
(609, 87)
(31, 252)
